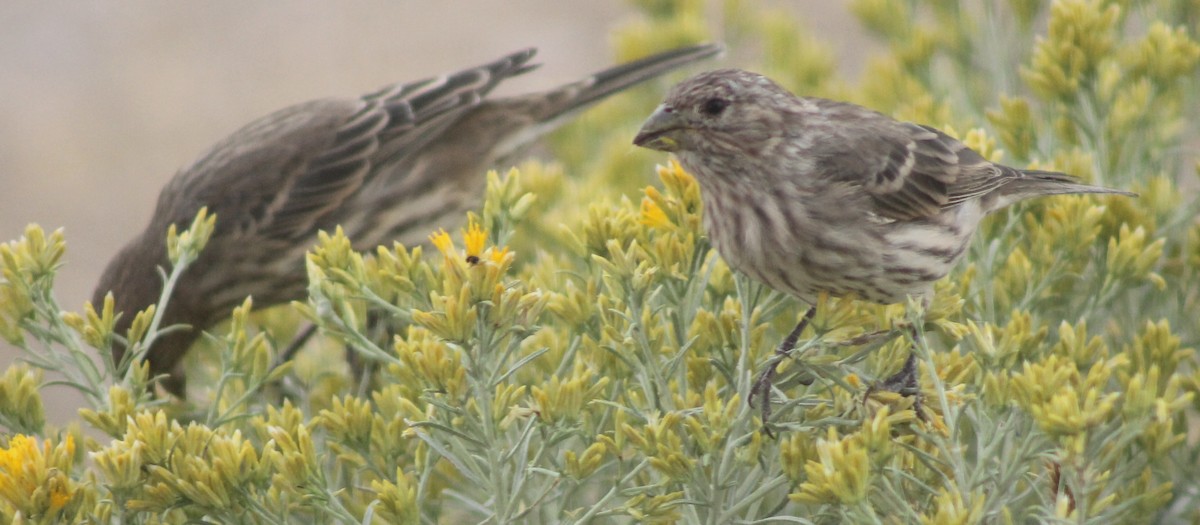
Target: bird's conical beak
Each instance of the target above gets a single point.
(658, 131)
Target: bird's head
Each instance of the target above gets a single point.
(132, 278)
(722, 110)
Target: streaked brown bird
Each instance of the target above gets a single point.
(392, 165)
(808, 195)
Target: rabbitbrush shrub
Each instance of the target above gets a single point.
(578, 354)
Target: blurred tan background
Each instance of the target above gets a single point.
(101, 102)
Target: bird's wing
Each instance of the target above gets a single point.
(392, 123)
(910, 171)
(930, 172)
(279, 176)
(446, 176)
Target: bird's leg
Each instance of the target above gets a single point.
(903, 382)
(363, 368)
(762, 384)
(906, 381)
(306, 332)
(359, 368)
(302, 337)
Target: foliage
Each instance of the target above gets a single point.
(581, 355)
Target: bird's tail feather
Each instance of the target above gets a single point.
(1036, 183)
(552, 109)
(578, 95)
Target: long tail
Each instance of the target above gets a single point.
(550, 109)
(1026, 184)
(577, 95)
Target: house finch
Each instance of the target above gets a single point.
(390, 165)
(808, 195)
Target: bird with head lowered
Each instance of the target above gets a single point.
(392, 165)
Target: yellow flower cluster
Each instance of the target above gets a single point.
(26, 274)
(1055, 374)
(35, 482)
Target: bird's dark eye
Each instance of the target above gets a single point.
(714, 106)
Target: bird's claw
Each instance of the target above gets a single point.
(764, 381)
(762, 386)
(905, 382)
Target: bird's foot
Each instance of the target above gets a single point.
(766, 379)
(905, 382)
